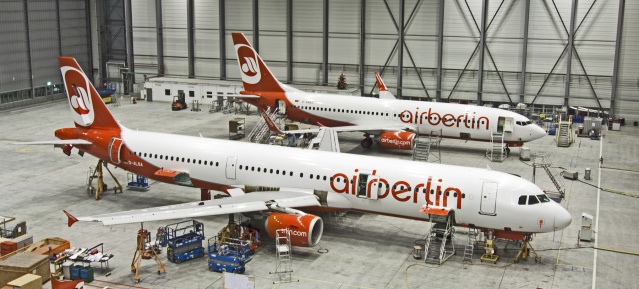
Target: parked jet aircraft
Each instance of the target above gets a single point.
(286, 183)
(394, 122)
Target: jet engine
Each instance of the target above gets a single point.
(306, 230)
(399, 140)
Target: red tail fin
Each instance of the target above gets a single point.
(255, 75)
(269, 122)
(87, 107)
(380, 83)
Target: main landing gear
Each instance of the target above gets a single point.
(367, 142)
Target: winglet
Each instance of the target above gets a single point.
(380, 83)
(71, 219)
(269, 122)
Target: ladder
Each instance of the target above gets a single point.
(426, 146)
(542, 161)
(564, 136)
(440, 242)
(283, 254)
(261, 132)
(496, 152)
(470, 246)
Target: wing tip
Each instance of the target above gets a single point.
(70, 218)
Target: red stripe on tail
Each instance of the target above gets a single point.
(380, 83)
(255, 74)
(87, 106)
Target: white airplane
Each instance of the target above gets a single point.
(285, 183)
(394, 122)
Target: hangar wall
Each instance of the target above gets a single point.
(537, 29)
(34, 33)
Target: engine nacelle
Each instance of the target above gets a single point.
(306, 230)
(398, 140)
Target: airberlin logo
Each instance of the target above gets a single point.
(435, 192)
(434, 118)
(78, 90)
(249, 66)
(297, 233)
(395, 141)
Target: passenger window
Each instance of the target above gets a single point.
(522, 200)
(543, 198)
(532, 200)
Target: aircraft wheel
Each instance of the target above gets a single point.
(367, 143)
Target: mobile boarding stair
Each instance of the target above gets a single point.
(427, 145)
(542, 161)
(440, 241)
(261, 132)
(497, 150)
(564, 136)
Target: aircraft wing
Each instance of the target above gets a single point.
(251, 202)
(55, 142)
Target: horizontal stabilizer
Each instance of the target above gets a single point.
(255, 201)
(55, 142)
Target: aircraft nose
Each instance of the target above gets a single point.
(562, 219)
(537, 132)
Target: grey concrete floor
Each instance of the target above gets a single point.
(359, 251)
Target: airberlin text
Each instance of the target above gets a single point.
(449, 120)
(434, 192)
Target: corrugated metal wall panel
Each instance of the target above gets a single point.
(627, 102)
(73, 25)
(43, 29)
(378, 20)
(239, 15)
(14, 69)
(174, 14)
(307, 16)
(144, 30)
(273, 47)
(207, 15)
(343, 16)
(207, 41)
(208, 67)
(272, 17)
(460, 39)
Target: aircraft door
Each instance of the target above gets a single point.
(368, 185)
(115, 147)
(281, 106)
(488, 198)
(231, 164)
(509, 124)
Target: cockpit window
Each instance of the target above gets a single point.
(522, 200)
(532, 200)
(543, 198)
(523, 123)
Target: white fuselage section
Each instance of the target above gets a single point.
(454, 120)
(479, 197)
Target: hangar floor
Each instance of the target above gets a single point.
(359, 251)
